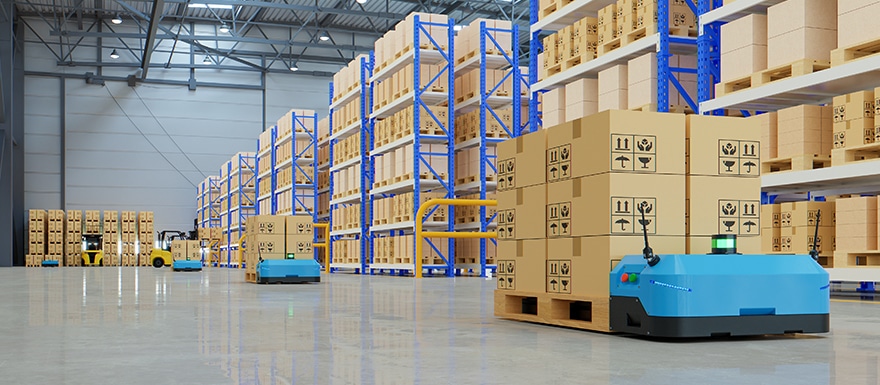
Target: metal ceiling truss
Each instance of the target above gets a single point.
(305, 25)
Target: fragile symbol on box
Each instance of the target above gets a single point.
(506, 224)
(840, 139)
(741, 217)
(506, 271)
(559, 163)
(626, 215)
(633, 153)
(559, 276)
(739, 157)
(506, 173)
(559, 220)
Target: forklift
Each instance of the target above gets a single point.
(93, 252)
(162, 256)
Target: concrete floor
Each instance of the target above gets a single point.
(149, 326)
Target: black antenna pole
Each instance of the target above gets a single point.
(647, 251)
(815, 251)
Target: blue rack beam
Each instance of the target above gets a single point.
(708, 54)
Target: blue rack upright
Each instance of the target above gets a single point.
(361, 126)
(241, 175)
(421, 98)
(488, 104)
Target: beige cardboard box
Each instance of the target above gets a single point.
(521, 265)
(799, 44)
(853, 106)
(620, 141)
(792, 15)
(580, 110)
(804, 130)
(582, 90)
(612, 79)
(265, 224)
(723, 205)
(521, 161)
(767, 124)
(856, 26)
(725, 146)
(521, 213)
(300, 246)
(742, 62)
(266, 243)
(592, 258)
(800, 239)
(614, 100)
(744, 32)
(804, 214)
(854, 133)
(298, 224)
(553, 118)
(771, 240)
(554, 99)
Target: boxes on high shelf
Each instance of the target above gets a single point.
(613, 85)
(550, 52)
(553, 108)
(581, 99)
(771, 228)
(520, 161)
(801, 29)
(767, 123)
(854, 119)
(856, 22)
(626, 141)
(798, 226)
(856, 227)
(743, 47)
(521, 265)
(804, 130)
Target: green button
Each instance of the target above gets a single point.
(633, 277)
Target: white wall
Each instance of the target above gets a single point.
(144, 148)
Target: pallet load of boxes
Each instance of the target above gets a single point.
(57, 235)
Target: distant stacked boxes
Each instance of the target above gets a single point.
(93, 222)
(55, 237)
(146, 238)
(128, 238)
(242, 194)
(265, 169)
(856, 232)
(210, 239)
(186, 250)
(73, 240)
(797, 223)
(111, 238)
(37, 237)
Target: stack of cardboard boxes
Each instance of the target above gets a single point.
(111, 238)
(856, 243)
(854, 19)
(37, 237)
(743, 52)
(73, 239)
(146, 239)
(55, 237)
(801, 30)
(128, 238)
(796, 138)
(186, 250)
(853, 125)
(93, 222)
(468, 40)
(276, 237)
(401, 208)
(613, 88)
(797, 222)
(210, 240)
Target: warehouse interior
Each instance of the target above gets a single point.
(290, 191)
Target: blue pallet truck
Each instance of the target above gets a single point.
(720, 294)
(288, 270)
(186, 265)
(50, 263)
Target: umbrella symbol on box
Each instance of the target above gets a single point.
(501, 281)
(749, 166)
(553, 228)
(553, 171)
(622, 222)
(749, 225)
(553, 284)
(645, 145)
(623, 159)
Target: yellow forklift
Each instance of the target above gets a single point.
(93, 250)
(162, 256)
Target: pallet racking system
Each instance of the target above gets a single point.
(240, 201)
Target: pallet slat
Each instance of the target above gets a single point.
(587, 313)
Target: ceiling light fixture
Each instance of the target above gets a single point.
(361, 1)
(207, 60)
(294, 68)
(224, 28)
(212, 6)
(114, 54)
(116, 19)
(324, 37)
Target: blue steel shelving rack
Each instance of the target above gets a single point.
(235, 170)
(662, 43)
(708, 54)
(487, 104)
(421, 98)
(209, 208)
(269, 176)
(363, 127)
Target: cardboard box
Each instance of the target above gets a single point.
(613, 79)
(592, 258)
(853, 106)
(266, 243)
(743, 62)
(300, 246)
(580, 110)
(744, 32)
(804, 130)
(799, 44)
(521, 213)
(793, 15)
(722, 205)
(800, 239)
(804, 214)
(582, 90)
(521, 265)
(767, 125)
(520, 161)
(856, 21)
(265, 224)
(854, 133)
(614, 100)
(635, 142)
(723, 146)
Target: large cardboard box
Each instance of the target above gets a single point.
(744, 32)
(743, 62)
(804, 214)
(300, 246)
(592, 258)
(610, 204)
(857, 25)
(620, 141)
(723, 146)
(521, 213)
(521, 265)
(266, 243)
(265, 224)
(299, 224)
(767, 125)
(771, 230)
(521, 161)
(721, 205)
(799, 44)
(793, 15)
(804, 130)
(800, 240)
(856, 226)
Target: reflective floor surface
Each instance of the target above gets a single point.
(153, 326)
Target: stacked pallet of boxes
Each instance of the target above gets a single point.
(854, 128)
(323, 168)
(73, 239)
(128, 238)
(399, 120)
(223, 201)
(186, 250)
(581, 193)
(276, 237)
(37, 226)
(93, 222)
(294, 159)
(265, 169)
(55, 237)
(145, 237)
(856, 232)
(797, 229)
(242, 195)
(111, 238)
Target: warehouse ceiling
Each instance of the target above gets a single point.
(314, 37)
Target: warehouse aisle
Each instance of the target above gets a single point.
(152, 326)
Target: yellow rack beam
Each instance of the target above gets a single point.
(325, 245)
(420, 235)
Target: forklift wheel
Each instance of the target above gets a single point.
(158, 263)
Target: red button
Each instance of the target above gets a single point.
(624, 277)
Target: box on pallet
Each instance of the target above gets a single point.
(801, 29)
(804, 130)
(743, 47)
(613, 93)
(856, 227)
(521, 161)
(854, 119)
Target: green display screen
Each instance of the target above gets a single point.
(724, 243)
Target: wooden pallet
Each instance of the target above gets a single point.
(579, 312)
(855, 52)
(867, 152)
(674, 109)
(733, 85)
(574, 61)
(796, 163)
(865, 258)
(606, 47)
(250, 277)
(798, 68)
(553, 70)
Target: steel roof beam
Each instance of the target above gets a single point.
(188, 38)
(156, 15)
(296, 7)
